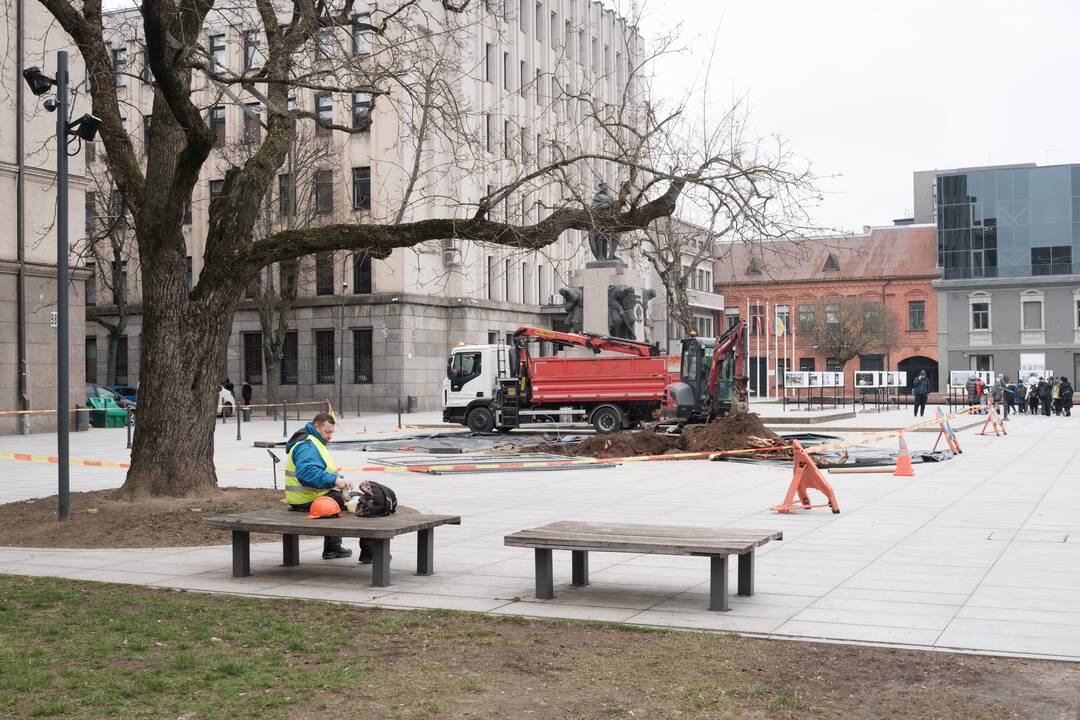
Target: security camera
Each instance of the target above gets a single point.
(50, 105)
(85, 127)
(38, 81)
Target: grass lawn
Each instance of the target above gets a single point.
(90, 650)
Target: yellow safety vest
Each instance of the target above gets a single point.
(296, 493)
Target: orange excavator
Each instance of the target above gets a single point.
(712, 382)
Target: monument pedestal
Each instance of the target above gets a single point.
(594, 280)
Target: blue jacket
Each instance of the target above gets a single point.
(310, 468)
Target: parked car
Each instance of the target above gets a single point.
(126, 391)
(225, 402)
(94, 390)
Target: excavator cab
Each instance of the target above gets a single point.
(690, 399)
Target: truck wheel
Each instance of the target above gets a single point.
(607, 419)
(480, 420)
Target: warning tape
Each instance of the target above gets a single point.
(53, 460)
(92, 409)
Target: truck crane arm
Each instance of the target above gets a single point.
(591, 341)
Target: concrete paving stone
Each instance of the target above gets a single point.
(1021, 615)
(446, 602)
(970, 635)
(543, 609)
(1029, 598)
(887, 618)
(631, 597)
(357, 596)
(856, 607)
(703, 619)
(110, 576)
(25, 568)
(858, 633)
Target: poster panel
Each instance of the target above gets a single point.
(866, 379)
(796, 379)
(815, 379)
(838, 379)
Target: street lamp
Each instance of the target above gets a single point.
(85, 128)
(341, 337)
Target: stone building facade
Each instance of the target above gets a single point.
(28, 334)
(885, 266)
(372, 331)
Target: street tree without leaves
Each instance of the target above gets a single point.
(846, 327)
(421, 51)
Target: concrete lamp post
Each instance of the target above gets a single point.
(85, 128)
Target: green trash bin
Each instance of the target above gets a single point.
(106, 413)
(97, 415)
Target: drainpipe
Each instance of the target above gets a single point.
(20, 221)
(883, 311)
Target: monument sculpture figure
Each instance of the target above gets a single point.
(603, 244)
(572, 305)
(621, 301)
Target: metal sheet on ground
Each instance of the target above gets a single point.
(441, 465)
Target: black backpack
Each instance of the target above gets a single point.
(376, 500)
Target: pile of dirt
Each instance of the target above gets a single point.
(735, 432)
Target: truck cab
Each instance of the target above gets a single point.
(473, 377)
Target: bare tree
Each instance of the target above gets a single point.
(421, 53)
(845, 328)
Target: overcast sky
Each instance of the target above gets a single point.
(869, 91)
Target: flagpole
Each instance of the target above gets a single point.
(768, 364)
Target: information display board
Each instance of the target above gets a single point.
(796, 379)
(867, 379)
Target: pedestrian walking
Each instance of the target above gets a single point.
(1046, 398)
(1066, 396)
(1055, 389)
(1033, 397)
(1000, 390)
(921, 390)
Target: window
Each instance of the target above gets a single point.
(490, 280)
(361, 110)
(361, 191)
(284, 194)
(117, 209)
(1031, 315)
(253, 58)
(489, 132)
(831, 264)
(324, 192)
(834, 365)
(324, 357)
(704, 325)
(731, 317)
(553, 30)
(91, 359)
(980, 316)
(290, 360)
(1051, 260)
(538, 22)
(252, 123)
(507, 138)
(91, 150)
(215, 189)
(916, 314)
(757, 319)
(361, 35)
(187, 214)
(147, 74)
(91, 284)
(253, 360)
(324, 273)
(189, 274)
(324, 43)
(122, 360)
(217, 51)
(783, 316)
(287, 278)
(119, 61)
(217, 124)
(363, 356)
(324, 109)
(146, 133)
(361, 275)
(524, 81)
(489, 63)
(984, 363)
(523, 13)
(832, 314)
(507, 73)
(807, 364)
(254, 288)
(468, 364)
(508, 271)
(807, 319)
(1076, 314)
(90, 206)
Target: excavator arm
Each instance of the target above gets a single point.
(732, 341)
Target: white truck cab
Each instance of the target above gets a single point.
(473, 374)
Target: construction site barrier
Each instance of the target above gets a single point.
(90, 409)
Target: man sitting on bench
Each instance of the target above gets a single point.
(310, 473)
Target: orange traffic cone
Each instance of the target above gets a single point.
(903, 460)
(806, 476)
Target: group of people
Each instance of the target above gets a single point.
(1048, 396)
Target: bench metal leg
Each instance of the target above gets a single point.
(579, 560)
(545, 585)
(425, 552)
(718, 582)
(241, 553)
(746, 574)
(380, 569)
(290, 550)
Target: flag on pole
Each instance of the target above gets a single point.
(780, 328)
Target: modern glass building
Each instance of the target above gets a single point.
(1009, 222)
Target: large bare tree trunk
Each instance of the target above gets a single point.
(183, 344)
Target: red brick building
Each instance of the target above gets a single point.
(890, 266)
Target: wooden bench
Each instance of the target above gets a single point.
(581, 537)
(291, 525)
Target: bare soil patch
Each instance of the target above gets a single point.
(734, 432)
(100, 519)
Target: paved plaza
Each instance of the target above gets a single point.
(980, 553)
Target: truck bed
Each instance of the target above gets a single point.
(557, 380)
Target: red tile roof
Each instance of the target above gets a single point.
(889, 252)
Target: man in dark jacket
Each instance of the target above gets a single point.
(245, 392)
(1065, 393)
(972, 388)
(920, 389)
(1046, 396)
(310, 473)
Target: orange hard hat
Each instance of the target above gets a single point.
(324, 507)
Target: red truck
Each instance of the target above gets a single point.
(609, 392)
